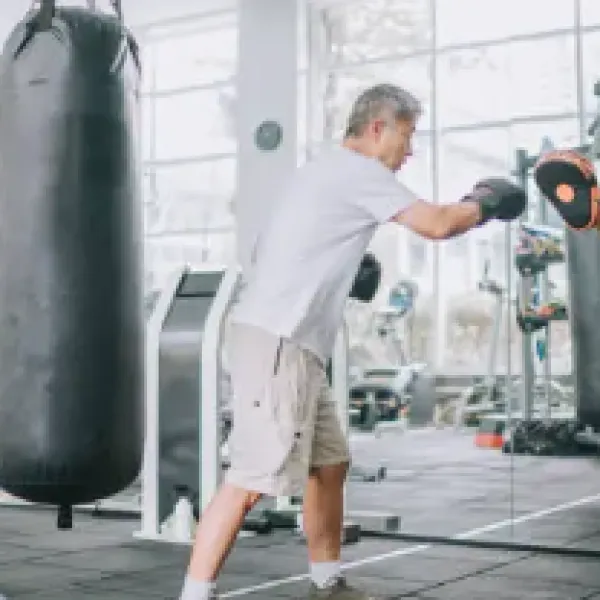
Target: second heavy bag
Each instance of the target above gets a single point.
(71, 305)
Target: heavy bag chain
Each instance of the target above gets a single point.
(47, 8)
(43, 22)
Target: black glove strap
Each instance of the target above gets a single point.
(485, 211)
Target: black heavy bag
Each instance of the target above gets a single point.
(71, 296)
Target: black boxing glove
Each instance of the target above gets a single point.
(367, 280)
(498, 199)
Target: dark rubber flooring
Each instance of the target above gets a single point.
(440, 485)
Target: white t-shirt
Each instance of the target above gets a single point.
(307, 255)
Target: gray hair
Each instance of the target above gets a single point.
(378, 100)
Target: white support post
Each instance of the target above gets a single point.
(340, 386)
(267, 89)
(340, 376)
(150, 525)
(210, 396)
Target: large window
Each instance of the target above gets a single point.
(466, 156)
(188, 103)
(541, 76)
(196, 57)
(156, 16)
(467, 313)
(188, 141)
(562, 133)
(216, 177)
(506, 81)
(194, 123)
(367, 31)
(472, 86)
(591, 71)
(590, 12)
(166, 253)
(147, 130)
(464, 21)
(188, 215)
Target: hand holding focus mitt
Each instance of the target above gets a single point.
(568, 180)
(498, 199)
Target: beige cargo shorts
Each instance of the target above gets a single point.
(284, 420)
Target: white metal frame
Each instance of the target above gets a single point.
(150, 525)
(209, 400)
(340, 377)
(210, 396)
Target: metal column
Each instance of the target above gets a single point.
(524, 290)
(267, 84)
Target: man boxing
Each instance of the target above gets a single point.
(286, 438)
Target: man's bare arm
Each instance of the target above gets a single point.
(440, 221)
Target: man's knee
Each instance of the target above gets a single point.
(333, 474)
(248, 498)
(239, 495)
(252, 499)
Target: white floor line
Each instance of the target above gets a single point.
(421, 547)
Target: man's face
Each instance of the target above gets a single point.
(392, 141)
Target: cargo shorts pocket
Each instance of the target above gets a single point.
(266, 409)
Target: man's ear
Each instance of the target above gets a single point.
(377, 126)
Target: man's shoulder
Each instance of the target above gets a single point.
(336, 165)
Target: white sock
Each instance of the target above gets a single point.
(324, 574)
(197, 590)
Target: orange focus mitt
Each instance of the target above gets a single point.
(568, 180)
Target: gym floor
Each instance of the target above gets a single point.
(440, 484)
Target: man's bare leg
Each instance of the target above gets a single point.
(323, 520)
(216, 534)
